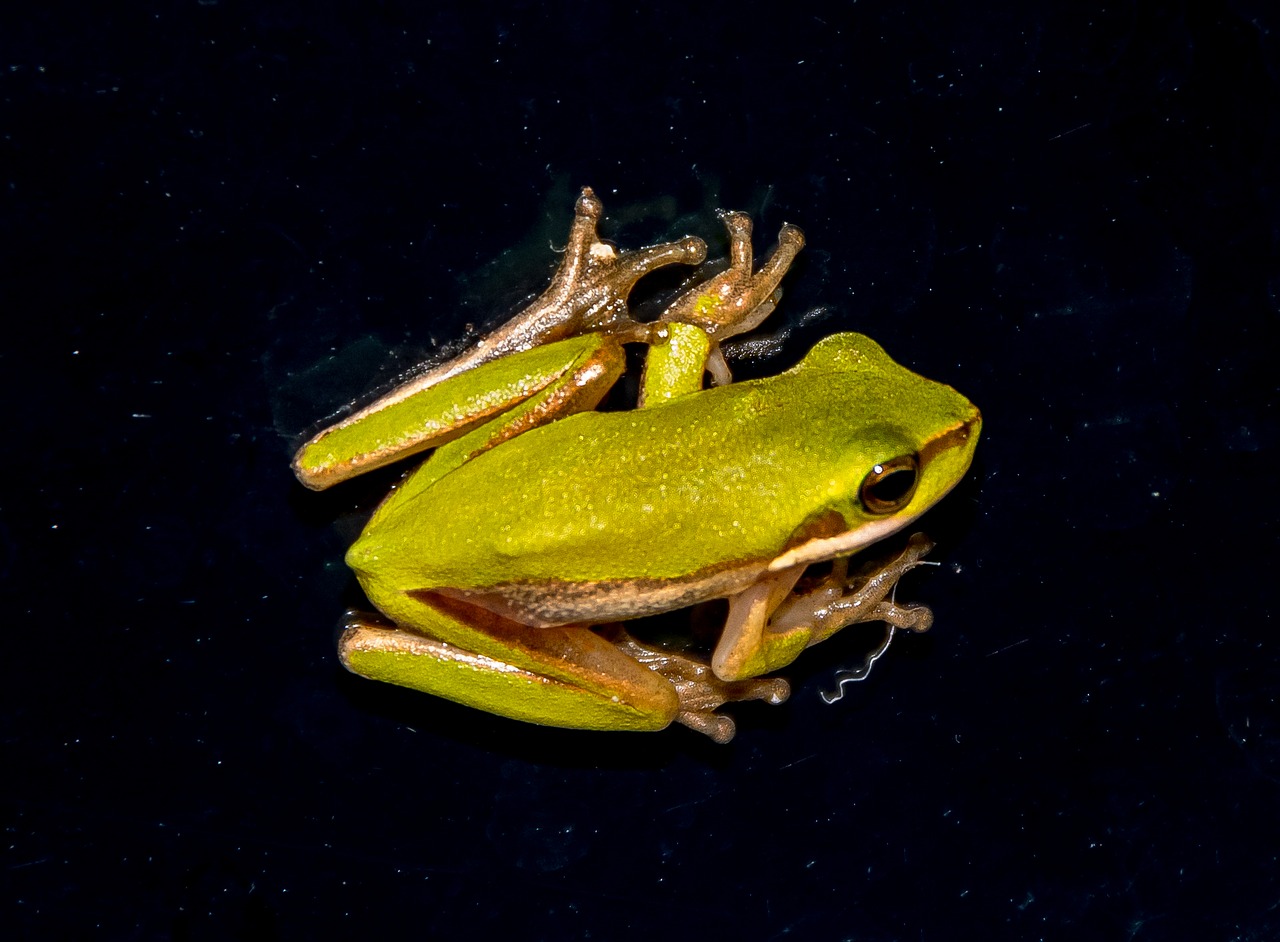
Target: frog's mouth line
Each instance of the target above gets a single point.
(817, 551)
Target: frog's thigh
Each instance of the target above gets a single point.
(567, 676)
(559, 378)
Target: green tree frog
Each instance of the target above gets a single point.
(504, 562)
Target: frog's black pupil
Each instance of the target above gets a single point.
(893, 486)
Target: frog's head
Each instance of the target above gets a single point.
(903, 440)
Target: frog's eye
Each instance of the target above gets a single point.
(889, 485)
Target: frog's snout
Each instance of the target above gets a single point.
(362, 557)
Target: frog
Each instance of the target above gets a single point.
(505, 567)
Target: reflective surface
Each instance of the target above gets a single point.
(220, 223)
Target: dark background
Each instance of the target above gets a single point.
(220, 221)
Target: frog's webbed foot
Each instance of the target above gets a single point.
(739, 298)
(699, 690)
(589, 290)
(839, 600)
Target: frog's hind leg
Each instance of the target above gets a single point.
(568, 677)
(740, 297)
(700, 691)
(638, 699)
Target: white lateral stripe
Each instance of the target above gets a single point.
(816, 551)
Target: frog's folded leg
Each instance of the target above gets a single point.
(570, 676)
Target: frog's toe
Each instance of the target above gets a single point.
(700, 697)
(699, 691)
(719, 728)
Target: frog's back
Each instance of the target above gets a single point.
(652, 493)
(695, 484)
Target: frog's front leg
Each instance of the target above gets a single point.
(569, 676)
(769, 624)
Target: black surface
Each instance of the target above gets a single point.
(220, 221)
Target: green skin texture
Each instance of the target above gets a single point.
(621, 509)
(725, 475)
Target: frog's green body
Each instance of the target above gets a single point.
(524, 529)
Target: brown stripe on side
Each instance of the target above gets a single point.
(548, 604)
(949, 438)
